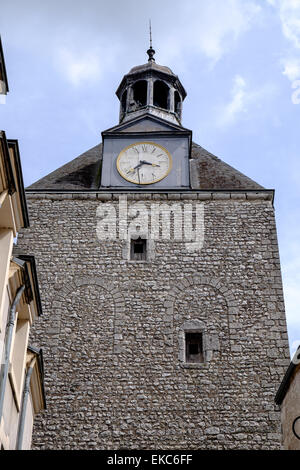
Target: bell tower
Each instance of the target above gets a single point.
(149, 148)
(164, 323)
(151, 88)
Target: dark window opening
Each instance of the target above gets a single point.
(138, 249)
(194, 347)
(161, 95)
(139, 94)
(123, 101)
(177, 103)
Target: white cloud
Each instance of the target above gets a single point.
(291, 68)
(289, 14)
(79, 68)
(238, 101)
(210, 28)
(243, 100)
(289, 11)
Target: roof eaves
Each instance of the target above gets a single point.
(11, 184)
(2, 67)
(30, 259)
(39, 355)
(13, 144)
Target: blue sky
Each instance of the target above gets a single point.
(239, 61)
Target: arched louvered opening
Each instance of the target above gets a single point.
(161, 95)
(177, 103)
(140, 93)
(123, 102)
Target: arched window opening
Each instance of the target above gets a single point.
(161, 94)
(139, 94)
(123, 101)
(177, 103)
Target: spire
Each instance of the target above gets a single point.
(150, 51)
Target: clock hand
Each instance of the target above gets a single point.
(138, 166)
(143, 162)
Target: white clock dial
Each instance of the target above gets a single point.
(144, 163)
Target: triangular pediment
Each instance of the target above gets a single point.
(146, 123)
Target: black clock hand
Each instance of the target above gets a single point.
(132, 170)
(143, 162)
(138, 166)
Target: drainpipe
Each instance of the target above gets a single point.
(8, 342)
(24, 404)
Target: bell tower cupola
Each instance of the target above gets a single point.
(151, 88)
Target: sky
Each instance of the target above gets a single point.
(239, 61)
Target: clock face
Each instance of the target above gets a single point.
(144, 163)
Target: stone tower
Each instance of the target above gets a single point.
(164, 323)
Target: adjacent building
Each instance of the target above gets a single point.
(3, 76)
(21, 375)
(288, 399)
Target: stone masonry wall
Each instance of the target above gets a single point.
(111, 329)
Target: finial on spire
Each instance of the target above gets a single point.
(150, 33)
(150, 51)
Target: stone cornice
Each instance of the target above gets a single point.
(200, 195)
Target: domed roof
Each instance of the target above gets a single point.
(136, 73)
(151, 65)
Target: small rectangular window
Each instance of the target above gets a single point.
(138, 249)
(193, 347)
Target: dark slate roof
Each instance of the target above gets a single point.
(84, 173)
(209, 172)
